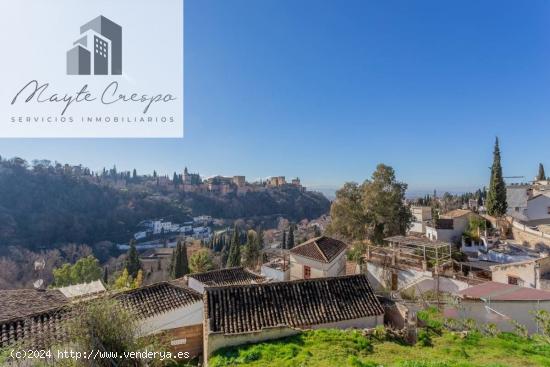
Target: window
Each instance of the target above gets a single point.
(513, 280)
(516, 208)
(307, 272)
(548, 210)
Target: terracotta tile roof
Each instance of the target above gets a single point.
(301, 303)
(37, 329)
(22, 302)
(323, 249)
(158, 298)
(229, 276)
(504, 292)
(457, 213)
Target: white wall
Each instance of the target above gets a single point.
(274, 274)
(183, 316)
(195, 284)
(519, 311)
(381, 279)
(318, 269)
(444, 235)
(527, 271)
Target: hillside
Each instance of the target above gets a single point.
(40, 208)
(288, 202)
(47, 204)
(334, 348)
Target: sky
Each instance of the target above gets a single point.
(326, 90)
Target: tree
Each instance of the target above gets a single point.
(373, 210)
(134, 174)
(252, 249)
(290, 240)
(85, 270)
(201, 261)
(180, 264)
(283, 243)
(105, 275)
(133, 265)
(496, 196)
(123, 281)
(541, 175)
(105, 324)
(138, 282)
(234, 258)
(224, 256)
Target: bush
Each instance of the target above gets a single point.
(424, 338)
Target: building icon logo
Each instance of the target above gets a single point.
(98, 51)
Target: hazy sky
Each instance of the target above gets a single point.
(325, 90)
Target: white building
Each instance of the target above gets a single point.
(421, 216)
(451, 226)
(499, 303)
(529, 204)
(318, 257)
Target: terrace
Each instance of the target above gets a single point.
(411, 252)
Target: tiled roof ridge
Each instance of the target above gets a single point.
(271, 284)
(319, 248)
(152, 285)
(47, 311)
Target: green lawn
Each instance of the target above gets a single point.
(332, 348)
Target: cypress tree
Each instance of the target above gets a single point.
(290, 242)
(224, 256)
(234, 258)
(105, 276)
(180, 263)
(541, 176)
(133, 265)
(496, 196)
(283, 244)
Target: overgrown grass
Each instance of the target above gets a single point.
(333, 348)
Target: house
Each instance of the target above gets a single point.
(170, 309)
(40, 320)
(83, 290)
(499, 304)
(242, 314)
(318, 257)
(450, 226)
(532, 273)
(421, 216)
(222, 277)
(529, 204)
